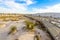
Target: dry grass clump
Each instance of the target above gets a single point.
(30, 25)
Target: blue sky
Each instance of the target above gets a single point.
(29, 6)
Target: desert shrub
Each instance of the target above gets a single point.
(29, 25)
(12, 29)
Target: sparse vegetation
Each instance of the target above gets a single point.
(30, 25)
(36, 37)
(12, 17)
(12, 29)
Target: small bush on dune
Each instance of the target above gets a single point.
(29, 25)
(12, 29)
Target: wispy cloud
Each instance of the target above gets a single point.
(54, 8)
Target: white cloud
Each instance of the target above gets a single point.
(13, 7)
(29, 2)
(54, 8)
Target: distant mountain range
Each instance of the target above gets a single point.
(48, 14)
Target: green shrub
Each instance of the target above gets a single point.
(29, 25)
(12, 29)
